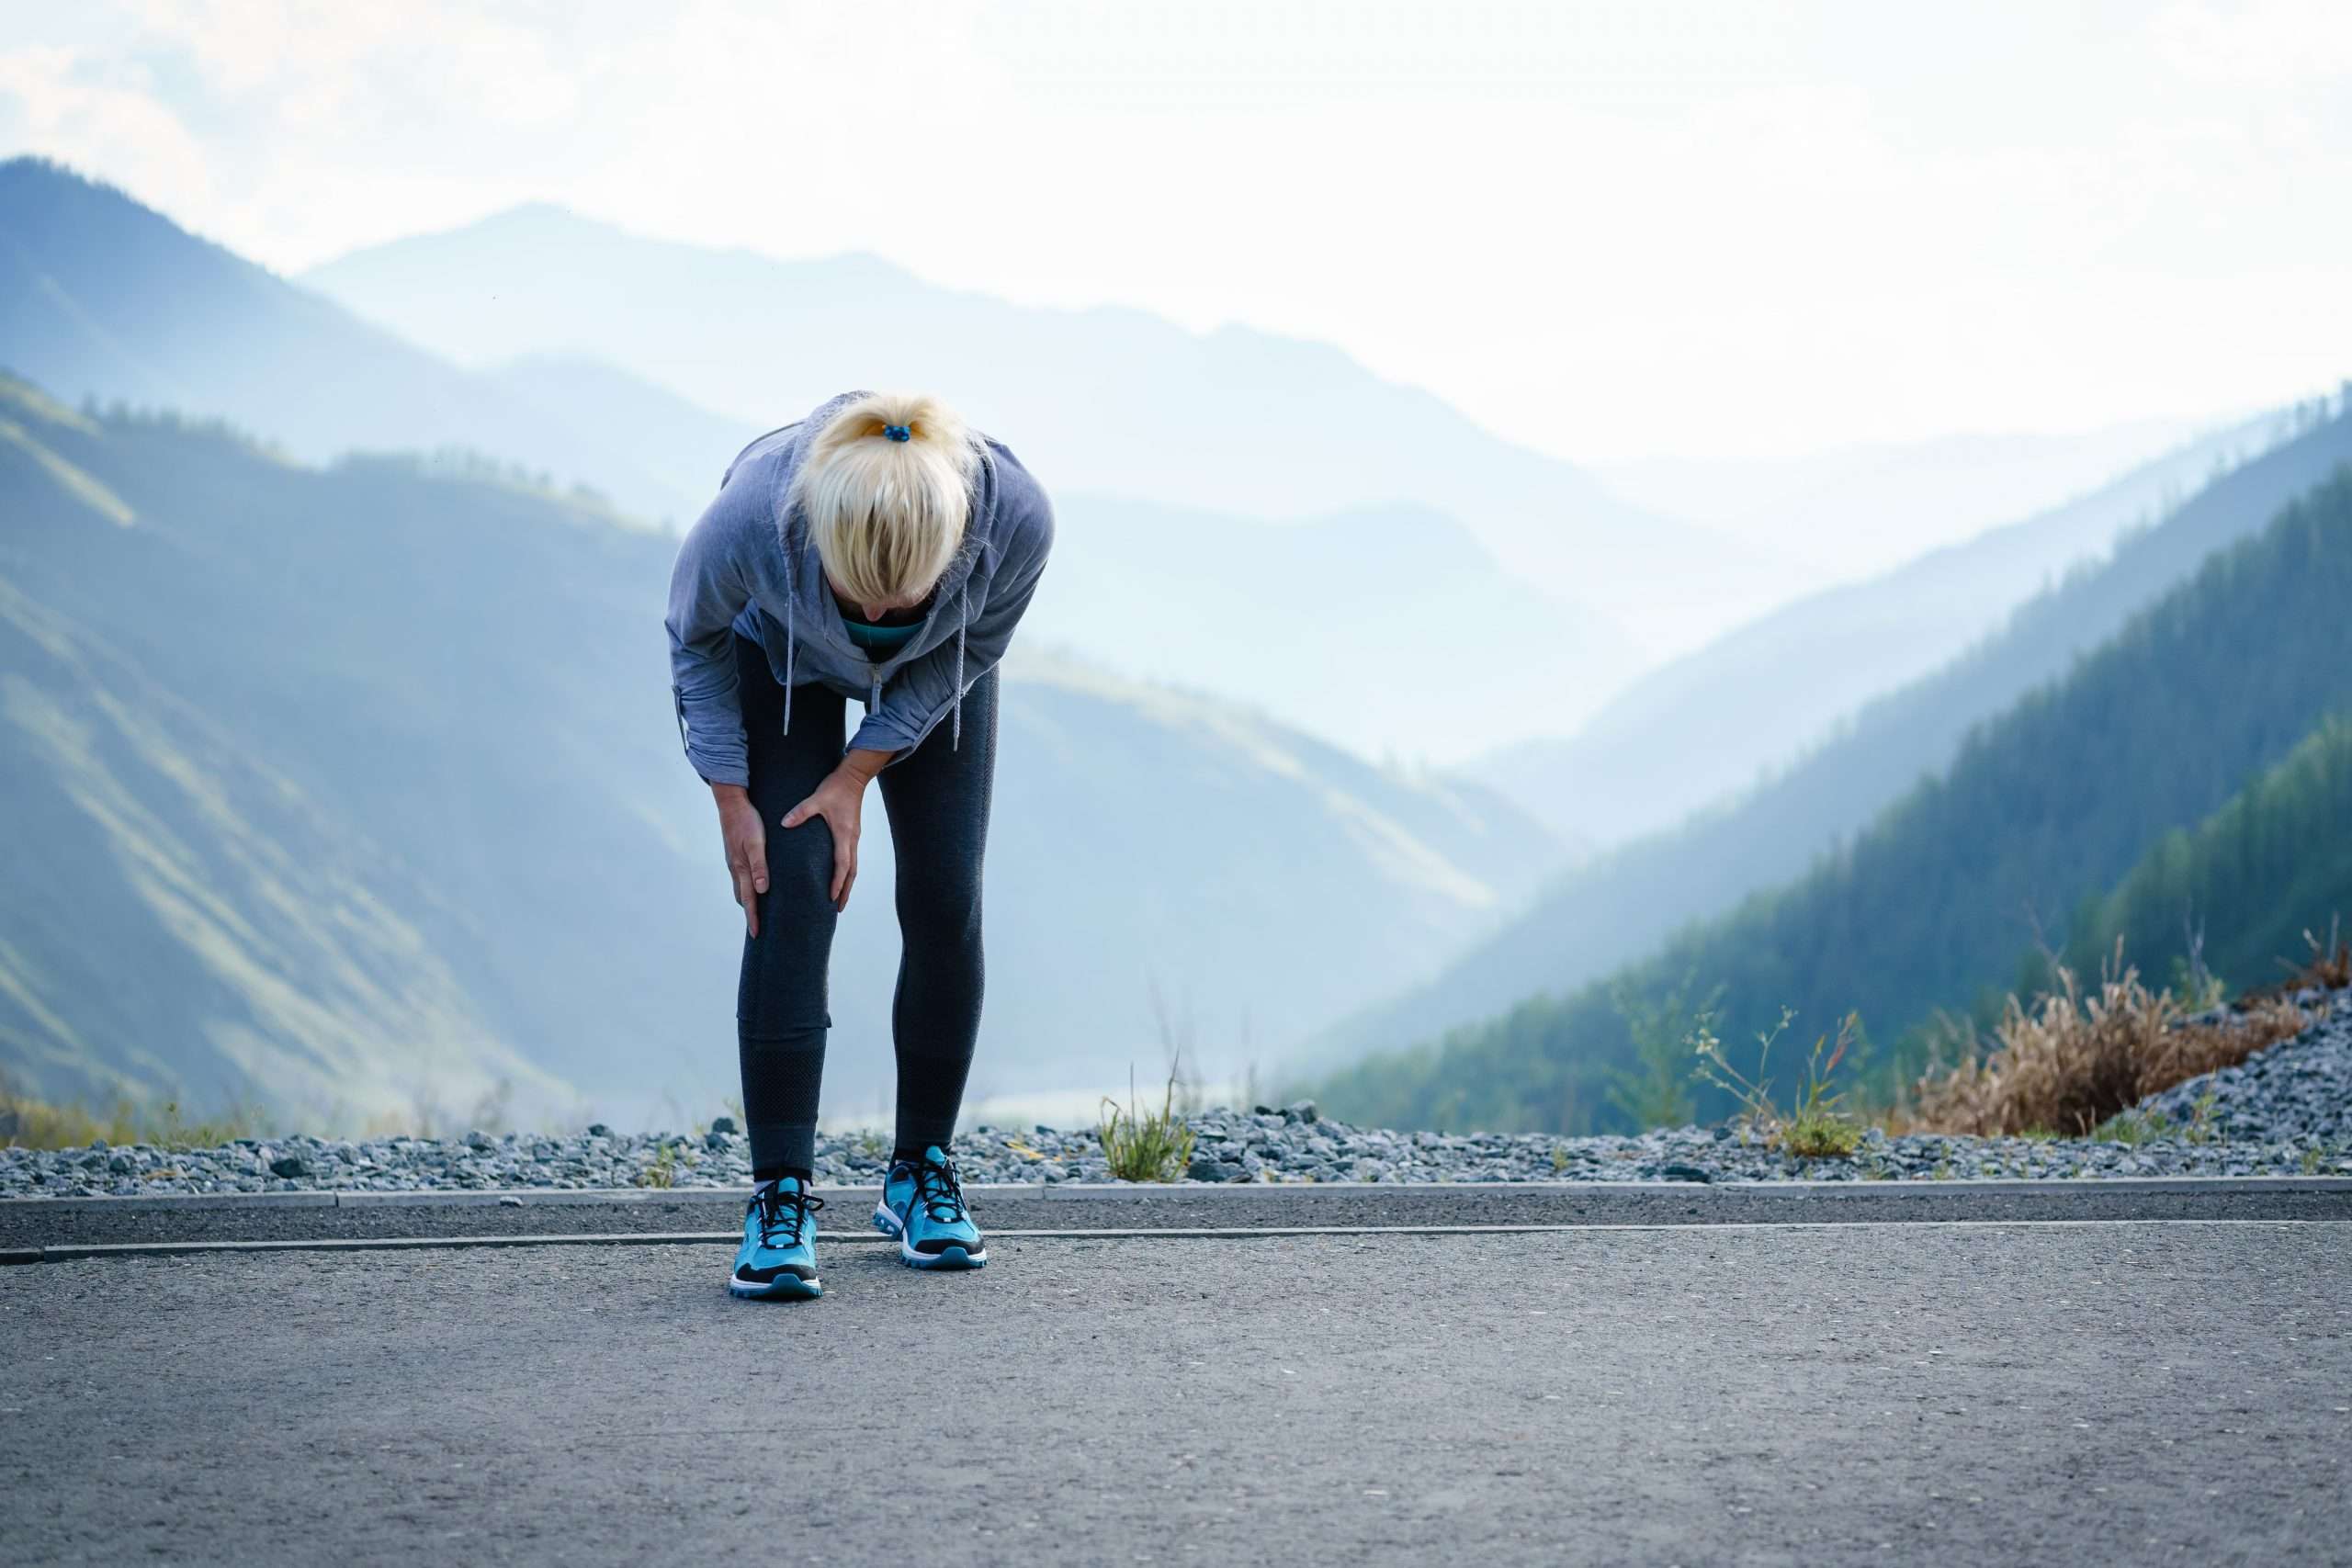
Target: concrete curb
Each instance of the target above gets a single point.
(1076, 1192)
(101, 1251)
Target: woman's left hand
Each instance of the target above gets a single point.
(841, 801)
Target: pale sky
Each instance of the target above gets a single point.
(1605, 230)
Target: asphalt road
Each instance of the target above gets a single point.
(2135, 1393)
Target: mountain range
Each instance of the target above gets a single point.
(1108, 400)
(1856, 511)
(102, 299)
(344, 788)
(338, 737)
(1704, 728)
(1613, 909)
(2197, 776)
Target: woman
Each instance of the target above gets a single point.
(880, 551)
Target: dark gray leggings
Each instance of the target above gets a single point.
(938, 804)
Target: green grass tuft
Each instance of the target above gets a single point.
(662, 1172)
(1819, 1133)
(1140, 1147)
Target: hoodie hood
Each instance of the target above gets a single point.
(809, 598)
(751, 556)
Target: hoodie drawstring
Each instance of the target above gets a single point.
(963, 625)
(874, 699)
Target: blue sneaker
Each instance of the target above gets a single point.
(923, 1207)
(778, 1258)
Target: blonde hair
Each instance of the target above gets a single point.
(887, 488)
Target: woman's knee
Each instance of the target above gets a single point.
(938, 908)
(800, 863)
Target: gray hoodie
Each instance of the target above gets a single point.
(746, 569)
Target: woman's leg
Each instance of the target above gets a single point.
(938, 802)
(780, 1012)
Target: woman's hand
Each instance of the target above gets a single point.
(841, 801)
(747, 849)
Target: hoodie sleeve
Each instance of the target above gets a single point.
(707, 592)
(923, 691)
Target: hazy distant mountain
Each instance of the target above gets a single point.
(1115, 401)
(100, 297)
(359, 787)
(680, 446)
(1709, 724)
(1854, 511)
(1388, 630)
(1622, 904)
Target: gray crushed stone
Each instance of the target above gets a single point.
(2285, 1112)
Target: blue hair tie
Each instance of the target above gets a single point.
(898, 433)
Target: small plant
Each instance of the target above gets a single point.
(2312, 1157)
(2201, 1129)
(1146, 1147)
(1815, 1128)
(2195, 987)
(2331, 963)
(1657, 1096)
(1559, 1158)
(1821, 1135)
(661, 1171)
(2329, 967)
(2132, 1128)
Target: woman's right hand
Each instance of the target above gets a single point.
(746, 837)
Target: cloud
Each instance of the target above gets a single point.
(2276, 44)
(1602, 229)
(102, 116)
(330, 70)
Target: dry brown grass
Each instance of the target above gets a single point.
(2329, 968)
(26, 1122)
(2072, 1061)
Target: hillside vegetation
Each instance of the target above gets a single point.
(1929, 908)
(1620, 907)
(2237, 895)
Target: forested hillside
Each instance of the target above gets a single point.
(1700, 729)
(2245, 886)
(355, 790)
(2056, 799)
(1619, 907)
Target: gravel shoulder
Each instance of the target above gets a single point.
(1832, 1395)
(2287, 1111)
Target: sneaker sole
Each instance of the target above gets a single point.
(955, 1257)
(783, 1287)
